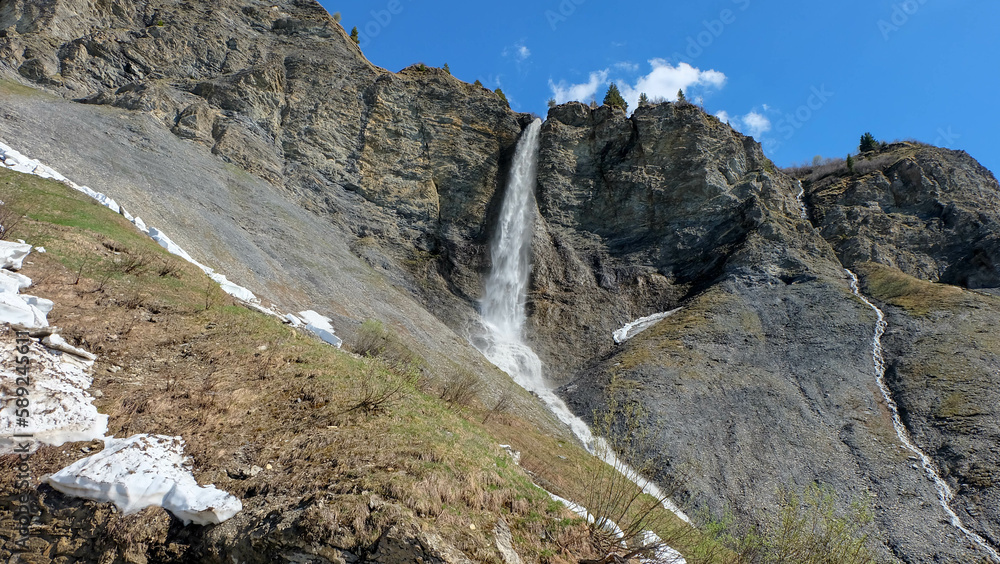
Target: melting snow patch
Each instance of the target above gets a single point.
(633, 328)
(145, 470)
(12, 254)
(320, 325)
(664, 554)
(61, 409)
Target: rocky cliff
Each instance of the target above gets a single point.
(260, 137)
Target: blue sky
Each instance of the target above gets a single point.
(804, 78)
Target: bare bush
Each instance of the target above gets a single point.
(129, 262)
(379, 387)
(12, 212)
(623, 515)
(502, 405)
(807, 528)
(460, 388)
(373, 339)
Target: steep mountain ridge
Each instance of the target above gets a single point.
(328, 180)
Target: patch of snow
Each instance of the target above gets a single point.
(12, 254)
(633, 328)
(57, 343)
(174, 249)
(320, 325)
(145, 470)
(235, 290)
(27, 311)
(14, 160)
(664, 554)
(61, 409)
(292, 320)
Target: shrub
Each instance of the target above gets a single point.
(354, 35)
(868, 143)
(446, 68)
(336, 17)
(477, 83)
(460, 388)
(612, 496)
(374, 340)
(552, 102)
(643, 99)
(850, 164)
(379, 386)
(12, 212)
(806, 529)
(500, 93)
(614, 98)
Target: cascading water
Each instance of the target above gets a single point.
(503, 313)
(800, 198)
(943, 490)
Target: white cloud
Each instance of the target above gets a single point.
(627, 66)
(584, 92)
(519, 51)
(756, 123)
(663, 81)
(766, 107)
(723, 116)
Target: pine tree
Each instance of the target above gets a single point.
(850, 164)
(477, 83)
(354, 36)
(614, 98)
(552, 102)
(446, 69)
(499, 93)
(868, 143)
(643, 99)
(680, 96)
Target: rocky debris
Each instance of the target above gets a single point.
(505, 542)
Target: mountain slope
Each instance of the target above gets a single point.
(275, 152)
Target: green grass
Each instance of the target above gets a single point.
(917, 297)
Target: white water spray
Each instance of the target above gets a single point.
(944, 492)
(503, 313)
(800, 198)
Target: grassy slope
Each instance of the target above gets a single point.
(179, 357)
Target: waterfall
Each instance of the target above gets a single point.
(800, 198)
(503, 314)
(944, 492)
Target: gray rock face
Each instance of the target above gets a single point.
(638, 213)
(933, 213)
